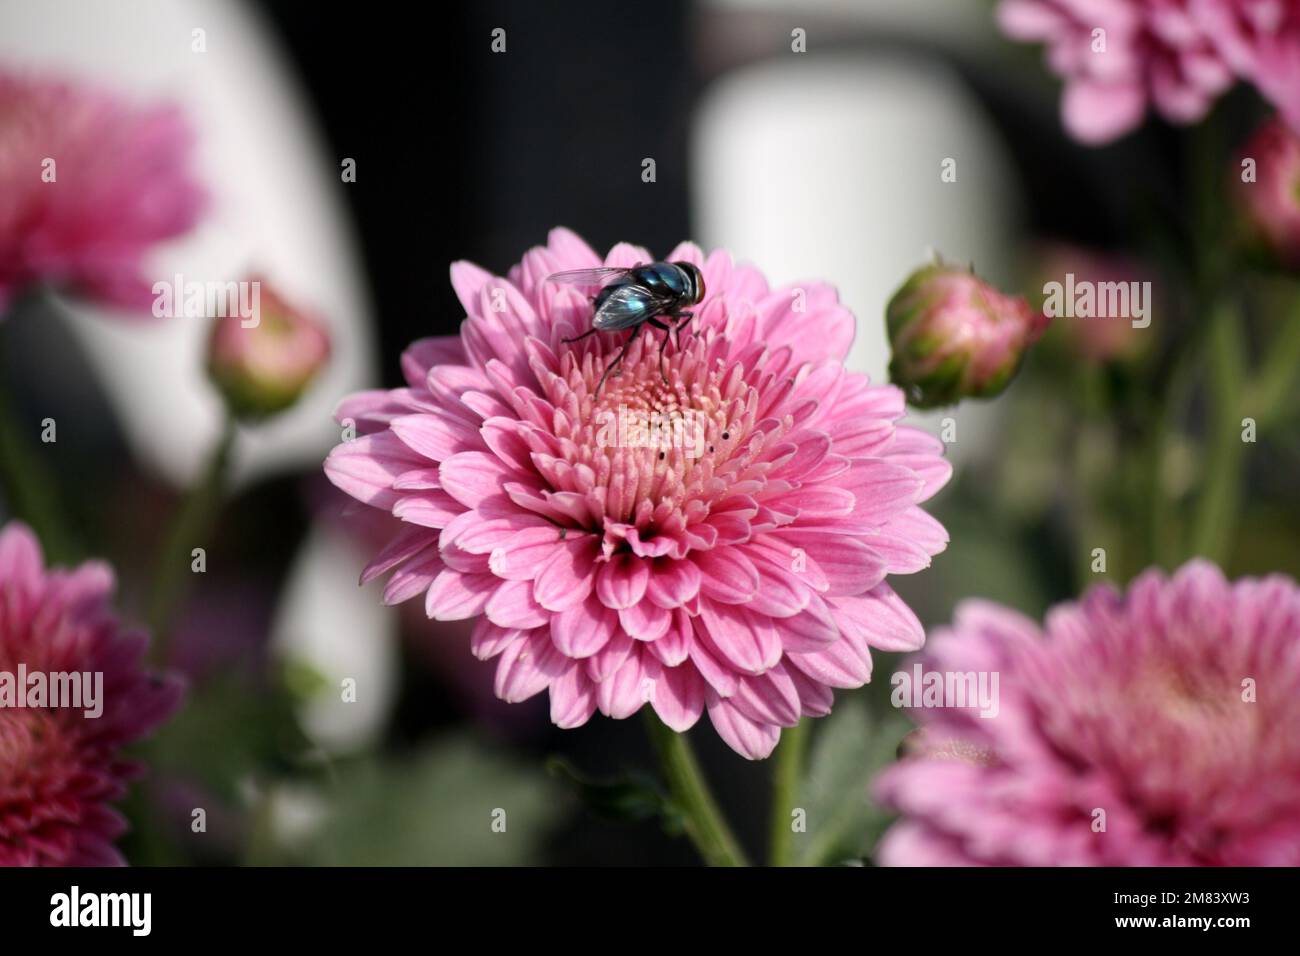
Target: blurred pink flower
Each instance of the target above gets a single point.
(742, 570)
(1175, 709)
(59, 768)
(1270, 203)
(88, 184)
(1260, 40)
(1118, 56)
(1096, 338)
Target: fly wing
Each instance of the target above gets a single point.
(629, 305)
(589, 278)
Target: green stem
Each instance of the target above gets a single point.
(1265, 400)
(190, 529)
(1090, 427)
(1166, 537)
(1152, 487)
(30, 489)
(787, 771)
(1216, 513)
(704, 822)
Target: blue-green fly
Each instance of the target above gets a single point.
(638, 296)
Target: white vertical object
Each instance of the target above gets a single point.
(828, 166)
(276, 209)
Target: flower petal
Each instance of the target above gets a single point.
(748, 738)
(583, 629)
(527, 667)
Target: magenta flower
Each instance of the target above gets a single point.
(1118, 56)
(88, 185)
(60, 767)
(1160, 727)
(718, 542)
(1270, 204)
(1259, 40)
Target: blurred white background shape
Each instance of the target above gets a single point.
(276, 209)
(828, 167)
(339, 631)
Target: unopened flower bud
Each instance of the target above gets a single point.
(954, 336)
(262, 363)
(1268, 191)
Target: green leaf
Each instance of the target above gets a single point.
(850, 747)
(455, 803)
(629, 796)
(227, 731)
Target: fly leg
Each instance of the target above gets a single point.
(682, 318)
(618, 358)
(662, 345)
(579, 338)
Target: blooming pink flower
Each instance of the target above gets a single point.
(88, 184)
(1179, 55)
(1173, 709)
(739, 570)
(1259, 40)
(59, 768)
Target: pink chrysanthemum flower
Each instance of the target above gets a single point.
(1160, 727)
(1118, 56)
(1260, 40)
(736, 564)
(1269, 204)
(60, 768)
(88, 184)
